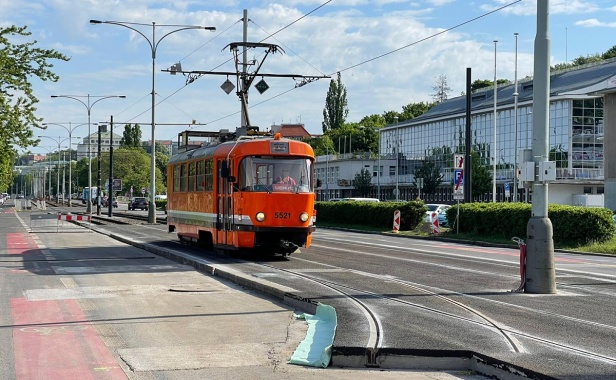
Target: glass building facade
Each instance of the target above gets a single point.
(575, 143)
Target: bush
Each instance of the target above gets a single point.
(574, 225)
(373, 214)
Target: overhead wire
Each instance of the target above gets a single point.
(186, 84)
(377, 57)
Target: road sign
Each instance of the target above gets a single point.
(507, 191)
(458, 176)
(396, 220)
(458, 161)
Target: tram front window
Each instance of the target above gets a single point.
(273, 174)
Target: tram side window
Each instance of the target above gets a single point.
(209, 175)
(200, 175)
(183, 179)
(192, 176)
(176, 178)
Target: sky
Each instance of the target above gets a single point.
(389, 52)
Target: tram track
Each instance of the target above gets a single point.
(510, 336)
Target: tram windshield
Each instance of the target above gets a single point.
(273, 174)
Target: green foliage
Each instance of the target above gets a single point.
(571, 224)
(480, 83)
(321, 145)
(610, 53)
(374, 214)
(412, 110)
(362, 182)
(481, 176)
(336, 107)
(161, 160)
(431, 174)
(19, 63)
(390, 117)
(373, 121)
(131, 138)
(132, 165)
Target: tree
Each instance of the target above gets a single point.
(133, 166)
(321, 145)
(441, 89)
(390, 117)
(481, 177)
(131, 138)
(19, 63)
(336, 108)
(610, 53)
(431, 174)
(480, 83)
(412, 110)
(363, 182)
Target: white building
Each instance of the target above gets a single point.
(576, 140)
(82, 148)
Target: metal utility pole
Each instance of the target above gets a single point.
(540, 273)
(515, 121)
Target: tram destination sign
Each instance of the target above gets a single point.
(279, 147)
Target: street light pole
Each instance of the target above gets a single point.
(494, 148)
(59, 142)
(397, 155)
(153, 46)
(70, 156)
(89, 108)
(515, 121)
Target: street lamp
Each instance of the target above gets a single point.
(515, 112)
(59, 142)
(153, 46)
(89, 108)
(397, 156)
(70, 130)
(48, 168)
(494, 148)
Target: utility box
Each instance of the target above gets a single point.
(547, 171)
(527, 171)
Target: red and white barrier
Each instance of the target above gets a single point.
(84, 218)
(434, 223)
(396, 221)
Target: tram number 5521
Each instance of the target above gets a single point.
(282, 215)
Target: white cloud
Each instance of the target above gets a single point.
(594, 23)
(529, 7)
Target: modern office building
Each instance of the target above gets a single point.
(106, 138)
(576, 139)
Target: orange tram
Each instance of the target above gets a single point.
(232, 194)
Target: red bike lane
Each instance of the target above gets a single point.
(52, 339)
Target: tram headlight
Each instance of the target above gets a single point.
(260, 216)
(303, 216)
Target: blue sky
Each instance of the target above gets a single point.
(338, 36)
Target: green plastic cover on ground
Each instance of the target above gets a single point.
(316, 348)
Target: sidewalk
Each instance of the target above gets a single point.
(154, 316)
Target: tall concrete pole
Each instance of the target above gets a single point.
(540, 274)
(245, 68)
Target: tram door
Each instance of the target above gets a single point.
(224, 220)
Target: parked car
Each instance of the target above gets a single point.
(434, 207)
(138, 203)
(114, 202)
(442, 218)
